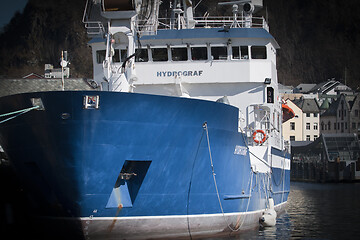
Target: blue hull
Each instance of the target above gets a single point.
(136, 155)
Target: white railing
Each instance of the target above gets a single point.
(92, 27)
(216, 22)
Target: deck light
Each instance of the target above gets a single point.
(267, 81)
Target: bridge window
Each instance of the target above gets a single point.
(159, 54)
(219, 53)
(244, 50)
(258, 52)
(142, 55)
(100, 55)
(123, 54)
(240, 52)
(179, 54)
(116, 57)
(199, 53)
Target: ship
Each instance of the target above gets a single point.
(182, 137)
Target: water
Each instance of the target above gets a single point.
(316, 211)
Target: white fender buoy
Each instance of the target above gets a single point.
(268, 219)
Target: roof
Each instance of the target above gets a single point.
(325, 104)
(350, 99)
(33, 76)
(285, 89)
(206, 33)
(331, 111)
(304, 87)
(325, 87)
(333, 142)
(307, 105)
(15, 86)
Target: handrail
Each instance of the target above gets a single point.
(218, 21)
(91, 25)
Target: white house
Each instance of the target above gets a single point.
(305, 125)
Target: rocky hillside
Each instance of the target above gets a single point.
(39, 34)
(318, 39)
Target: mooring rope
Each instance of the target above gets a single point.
(216, 187)
(16, 113)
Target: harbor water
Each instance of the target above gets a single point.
(314, 211)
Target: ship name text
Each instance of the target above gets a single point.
(179, 73)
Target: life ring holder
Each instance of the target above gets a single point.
(259, 141)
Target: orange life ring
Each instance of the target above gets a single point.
(255, 138)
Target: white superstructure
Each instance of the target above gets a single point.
(227, 59)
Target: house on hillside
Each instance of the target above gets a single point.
(336, 118)
(292, 129)
(354, 119)
(310, 118)
(305, 125)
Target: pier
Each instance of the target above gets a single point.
(331, 158)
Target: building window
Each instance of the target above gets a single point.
(219, 53)
(315, 137)
(315, 114)
(356, 113)
(353, 125)
(322, 126)
(292, 126)
(308, 138)
(159, 54)
(258, 52)
(307, 126)
(179, 54)
(307, 114)
(329, 125)
(315, 126)
(292, 138)
(335, 126)
(199, 53)
(346, 125)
